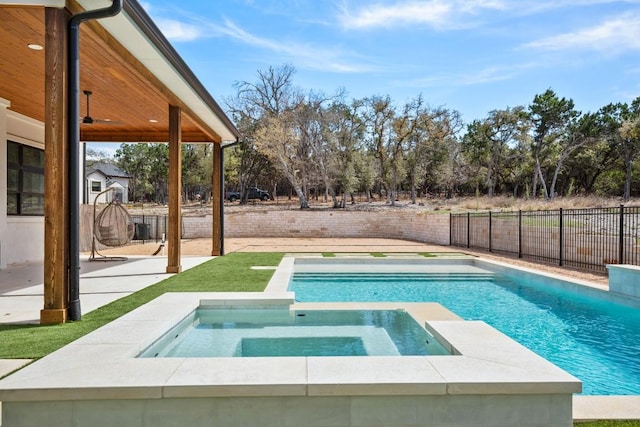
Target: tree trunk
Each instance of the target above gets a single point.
(627, 180)
(413, 189)
(542, 182)
(304, 204)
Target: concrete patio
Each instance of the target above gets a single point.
(21, 298)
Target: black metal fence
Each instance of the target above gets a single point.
(580, 238)
(149, 228)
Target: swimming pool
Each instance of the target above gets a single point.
(277, 332)
(595, 340)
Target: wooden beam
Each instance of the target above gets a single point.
(217, 201)
(136, 136)
(175, 191)
(56, 202)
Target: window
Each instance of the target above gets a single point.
(25, 180)
(96, 186)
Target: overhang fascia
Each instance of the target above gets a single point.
(45, 3)
(141, 37)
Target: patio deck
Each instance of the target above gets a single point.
(102, 282)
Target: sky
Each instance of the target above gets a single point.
(472, 56)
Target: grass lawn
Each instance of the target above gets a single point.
(223, 274)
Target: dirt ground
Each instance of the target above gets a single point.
(202, 247)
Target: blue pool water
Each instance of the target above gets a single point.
(215, 332)
(595, 340)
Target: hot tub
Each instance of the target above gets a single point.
(99, 380)
(216, 332)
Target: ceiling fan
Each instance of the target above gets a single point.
(88, 120)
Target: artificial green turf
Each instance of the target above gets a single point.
(230, 273)
(609, 423)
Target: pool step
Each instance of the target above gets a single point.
(394, 276)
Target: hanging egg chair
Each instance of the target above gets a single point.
(112, 227)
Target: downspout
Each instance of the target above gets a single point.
(73, 117)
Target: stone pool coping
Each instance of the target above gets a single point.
(102, 365)
(585, 407)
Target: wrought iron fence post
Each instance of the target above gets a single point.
(490, 247)
(519, 233)
(468, 230)
(561, 260)
(621, 237)
(450, 229)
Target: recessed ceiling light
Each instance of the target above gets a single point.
(35, 46)
(153, 121)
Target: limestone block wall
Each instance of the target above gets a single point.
(410, 225)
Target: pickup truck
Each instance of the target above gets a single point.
(254, 193)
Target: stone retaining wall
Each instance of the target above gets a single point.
(409, 225)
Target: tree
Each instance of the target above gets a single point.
(270, 103)
(551, 116)
(278, 140)
(579, 133)
(630, 143)
(344, 128)
(135, 160)
(426, 150)
(600, 153)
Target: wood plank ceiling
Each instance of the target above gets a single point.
(123, 91)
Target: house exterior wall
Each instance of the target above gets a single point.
(96, 177)
(21, 237)
(121, 184)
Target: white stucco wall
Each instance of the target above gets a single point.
(21, 237)
(96, 176)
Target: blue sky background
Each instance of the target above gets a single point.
(469, 55)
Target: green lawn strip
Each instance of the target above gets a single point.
(609, 423)
(427, 254)
(328, 255)
(377, 255)
(231, 273)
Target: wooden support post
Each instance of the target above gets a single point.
(175, 191)
(217, 201)
(56, 202)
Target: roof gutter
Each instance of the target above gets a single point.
(151, 31)
(73, 117)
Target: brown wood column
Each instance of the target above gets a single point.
(56, 200)
(217, 201)
(175, 191)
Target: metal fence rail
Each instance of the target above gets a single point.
(580, 238)
(149, 228)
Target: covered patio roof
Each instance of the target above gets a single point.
(140, 91)
(128, 65)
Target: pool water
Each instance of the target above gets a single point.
(593, 339)
(215, 332)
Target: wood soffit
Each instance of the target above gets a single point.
(123, 90)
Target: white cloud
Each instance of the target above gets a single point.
(439, 14)
(304, 55)
(472, 77)
(178, 31)
(614, 36)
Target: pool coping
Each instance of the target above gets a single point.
(102, 364)
(585, 408)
